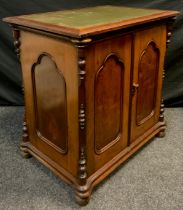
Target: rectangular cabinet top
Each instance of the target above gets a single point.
(89, 21)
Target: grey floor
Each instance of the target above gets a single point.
(151, 179)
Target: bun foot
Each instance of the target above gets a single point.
(24, 153)
(82, 201)
(161, 134)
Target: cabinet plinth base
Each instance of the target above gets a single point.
(83, 192)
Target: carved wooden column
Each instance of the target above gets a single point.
(17, 43)
(16, 36)
(82, 194)
(170, 23)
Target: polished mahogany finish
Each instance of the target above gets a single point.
(93, 88)
(108, 100)
(50, 107)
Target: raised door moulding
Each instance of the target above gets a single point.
(147, 79)
(108, 97)
(49, 88)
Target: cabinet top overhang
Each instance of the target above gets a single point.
(89, 21)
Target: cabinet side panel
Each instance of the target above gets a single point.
(50, 103)
(50, 77)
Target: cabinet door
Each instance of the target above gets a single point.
(149, 50)
(107, 96)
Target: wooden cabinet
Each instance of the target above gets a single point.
(92, 81)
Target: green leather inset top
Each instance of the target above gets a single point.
(87, 17)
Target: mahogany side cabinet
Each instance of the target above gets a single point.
(92, 82)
